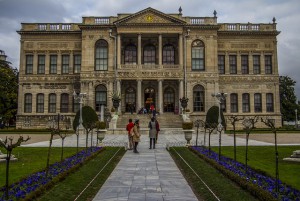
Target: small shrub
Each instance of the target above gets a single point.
(187, 125)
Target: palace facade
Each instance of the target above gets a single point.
(150, 57)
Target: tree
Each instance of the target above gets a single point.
(233, 119)
(9, 91)
(89, 119)
(287, 98)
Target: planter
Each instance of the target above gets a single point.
(188, 135)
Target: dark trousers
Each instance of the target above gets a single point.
(152, 143)
(135, 147)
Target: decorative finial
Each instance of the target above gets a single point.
(215, 13)
(274, 20)
(180, 10)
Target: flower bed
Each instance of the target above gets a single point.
(36, 183)
(260, 185)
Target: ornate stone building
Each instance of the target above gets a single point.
(149, 57)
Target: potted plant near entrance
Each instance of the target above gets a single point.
(188, 131)
(101, 130)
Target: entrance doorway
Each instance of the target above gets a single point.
(130, 100)
(149, 98)
(169, 100)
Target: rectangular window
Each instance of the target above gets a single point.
(40, 103)
(53, 64)
(101, 58)
(198, 58)
(28, 103)
(270, 102)
(52, 103)
(221, 64)
(246, 102)
(268, 64)
(257, 103)
(29, 64)
(245, 64)
(41, 64)
(256, 64)
(65, 64)
(64, 103)
(100, 99)
(77, 63)
(234, 102)
(232, 64)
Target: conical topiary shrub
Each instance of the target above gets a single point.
(212, 116)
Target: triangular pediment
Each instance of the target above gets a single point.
(149, 16)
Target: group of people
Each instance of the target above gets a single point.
(134, 135)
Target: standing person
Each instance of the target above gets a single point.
(136, 135)
(157, 130)
(129, 126)
(152, 133)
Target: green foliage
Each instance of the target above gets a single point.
(187, 125)
(89, 118)
(287, 98)
(9, 91)
(100, 125)
(212, 116)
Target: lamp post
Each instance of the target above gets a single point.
(220, 96)
(80, 97)
(184, 102)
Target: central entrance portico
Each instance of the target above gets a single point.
(163, 94)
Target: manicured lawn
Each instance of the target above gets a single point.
(224, 188)
(263, 158)
(30, 160)
(71, 187)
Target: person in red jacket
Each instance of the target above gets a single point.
(129, 128)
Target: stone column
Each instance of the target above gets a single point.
(139, 94)
(160, 50)
(47, 63)
(119, 91)
(58, 65)
(238, 63)
(180, 49)
(110, 91)
(180, 95)
(35, 62)
(262, 63)
(71, 63)
(91, 95)
(227, 65)
(139, 49)
(160, 97)
(119, 51)
(250, 63)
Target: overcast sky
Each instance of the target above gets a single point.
(286, 12)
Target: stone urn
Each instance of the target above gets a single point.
(188, 131)
(101, 134)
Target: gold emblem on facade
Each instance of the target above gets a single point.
(149, 18)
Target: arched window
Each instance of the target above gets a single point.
(257, 102)
(149, 54)
(168, 54)
(64, 103)
(100, 97)
(28, 103)
(40, 103)
(199, 98)
(198, 57)
(52, 103)
(101, 55)
(130, 54)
